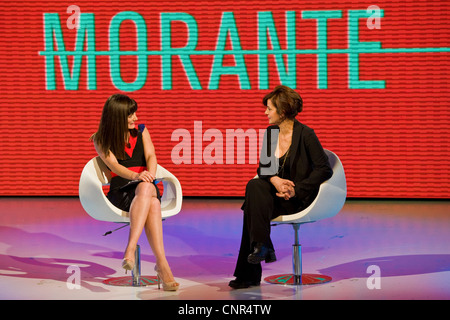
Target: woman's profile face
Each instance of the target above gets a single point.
(272, 114)
(132, 118)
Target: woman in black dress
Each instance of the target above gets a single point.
(128, 151)
(292, 166)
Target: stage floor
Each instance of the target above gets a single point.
(406, 241)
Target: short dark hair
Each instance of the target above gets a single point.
(287, 101)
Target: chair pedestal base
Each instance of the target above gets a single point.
(290, 279)
(136, 279)
(297, 277)
(144, 281)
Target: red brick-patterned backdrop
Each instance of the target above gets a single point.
(393, 141)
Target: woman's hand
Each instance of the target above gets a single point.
(284, 187)
(288, 194)
(145, 176)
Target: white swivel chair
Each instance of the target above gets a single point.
(328, 202)
(94, 176)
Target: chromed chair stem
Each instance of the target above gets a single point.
(297, 257)
(297, 277)
(136, 279)
(136, 272)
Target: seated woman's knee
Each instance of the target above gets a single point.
(146, 189)
(256, 185)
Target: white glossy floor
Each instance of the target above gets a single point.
(407, 241)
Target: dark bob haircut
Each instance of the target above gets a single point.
(113, 128)
(287, 101)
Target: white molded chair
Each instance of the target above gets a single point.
(94, 176)
(328, 202)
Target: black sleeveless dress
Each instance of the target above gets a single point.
(119, 195)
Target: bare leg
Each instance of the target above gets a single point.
(145, 212)
(154, 232)
(138, 216)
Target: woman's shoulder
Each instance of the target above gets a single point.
(272, 127)
(304, 127)
(297, 125)
(141, 127)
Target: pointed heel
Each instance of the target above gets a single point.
(159, 281)
(127, 265)
(167, 286)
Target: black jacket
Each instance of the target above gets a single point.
(309, 165)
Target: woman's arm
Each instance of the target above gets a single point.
(149, 153)
(284, 187)
(321, 167)
(114, 165)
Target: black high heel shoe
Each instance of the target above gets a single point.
(242, 284)
(261, 253)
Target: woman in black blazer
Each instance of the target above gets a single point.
(292, 166)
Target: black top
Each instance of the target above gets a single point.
(307, 164)
(283, 166)
(135, 162)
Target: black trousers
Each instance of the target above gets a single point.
(261, 205)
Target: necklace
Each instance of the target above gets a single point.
(280, 172)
